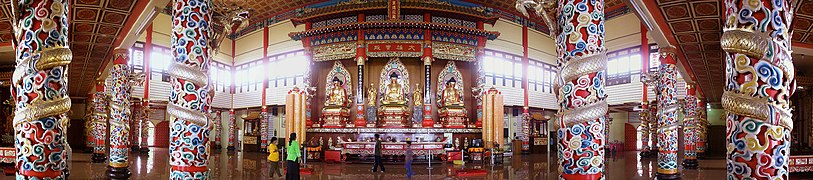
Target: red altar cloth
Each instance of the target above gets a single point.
(800, 163)
(393, 148)
(454, 155)
(8, 154)
(333, 156)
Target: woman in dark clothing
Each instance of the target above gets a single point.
(292, 158)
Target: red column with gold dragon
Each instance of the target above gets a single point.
(690, 129)
(99, 125)
(667, 115)
(759, 82)
(190, 97)
(120, 116)
(578, 28)
(40, 88)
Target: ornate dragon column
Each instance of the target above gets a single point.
(89, 141)
(579, 31)
(667, 113)
(759, 82)
(644, 117)
(232, 123)
(690, 127)
(701, 131)
(40, 88)
(217, 130)
(99, 124)
(190, 97)
(653, 126)
(119, 116)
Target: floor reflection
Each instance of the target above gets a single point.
(155, 165)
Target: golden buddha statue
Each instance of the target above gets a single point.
(336, 112)
(371, 95)
(337, 96)
(417, 96)
(393, 112)
(452, 113)
(394, 93)
(451, 95)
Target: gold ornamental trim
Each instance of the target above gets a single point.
(757, 108)
(584, 113)
(40, 109)
(186, 114)
(187, 73)
(759, 46)
(580, 66)
(48, 58)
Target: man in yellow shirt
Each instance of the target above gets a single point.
(273, 157)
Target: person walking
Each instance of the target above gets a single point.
(273, 158)
(408, 159)
(377, 156)
(292, 158)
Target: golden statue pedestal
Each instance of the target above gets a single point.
(393, 116)
(335, 116)
(452, 116)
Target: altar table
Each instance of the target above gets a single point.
(393, 148)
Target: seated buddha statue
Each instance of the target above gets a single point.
(336, 112)
(452, 113)
(451, 95)
(336, 95)
(393, 92)
(393, 112)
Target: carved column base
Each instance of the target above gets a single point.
(690, 164)
(98, 158)
(644, 153)
(660, 176)
(144, 150)
(118, 173)
(230, 148)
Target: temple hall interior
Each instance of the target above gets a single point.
(406, 89)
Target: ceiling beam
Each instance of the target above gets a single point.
(661, 34)
(136, 25)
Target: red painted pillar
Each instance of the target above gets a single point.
(264, 126)
(42, 52)
(582, 59)
(760, 81)
(120, 116)
(525, 64)
(361, 58)
(481, 50)
(145, 101)
(190, 98)
(427, 59)
(644, 114)
(232, 88)
(690, 127)
(99, 124)
(667, 122)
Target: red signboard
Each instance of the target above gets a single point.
(394, 47)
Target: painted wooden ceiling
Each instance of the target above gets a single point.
(695, 27)
(96, 24)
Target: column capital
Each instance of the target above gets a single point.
(121, 56)
(667, 55)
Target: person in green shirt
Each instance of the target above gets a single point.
(292, 156)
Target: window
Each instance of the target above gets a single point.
(504, 69)
(287, 69)
(623, 64)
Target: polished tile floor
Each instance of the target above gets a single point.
(154, 165)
